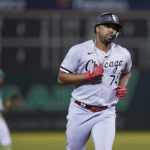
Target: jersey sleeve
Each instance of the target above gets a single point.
(71, 61)
(128, 64)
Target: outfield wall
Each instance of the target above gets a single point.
(45, 107)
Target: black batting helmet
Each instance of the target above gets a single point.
(107, 18)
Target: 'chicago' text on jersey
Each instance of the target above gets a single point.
(113, 63)
(91, 63)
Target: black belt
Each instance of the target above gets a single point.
(93, 108)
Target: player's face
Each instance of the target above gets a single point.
(107, 33)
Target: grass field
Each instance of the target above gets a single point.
(56, 141)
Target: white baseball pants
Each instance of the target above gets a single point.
(82, 123)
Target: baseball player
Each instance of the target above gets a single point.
(100, 71)
(5, 140)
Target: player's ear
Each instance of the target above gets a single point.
(97, 29)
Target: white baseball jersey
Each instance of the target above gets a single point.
(82, 57)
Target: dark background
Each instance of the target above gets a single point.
(35, 35)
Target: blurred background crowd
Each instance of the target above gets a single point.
(35, 35)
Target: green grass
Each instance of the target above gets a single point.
(132, 141)
(56, 141)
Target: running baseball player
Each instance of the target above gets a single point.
(99, 69)
(5, 140)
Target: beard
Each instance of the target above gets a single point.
(107, 42)
(108, 39)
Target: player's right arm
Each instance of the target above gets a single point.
(71, 78)
(70, 66)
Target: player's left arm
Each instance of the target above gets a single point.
(126, 72)
(124, 79)
(121, 90)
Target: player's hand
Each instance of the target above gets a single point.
(121, 92)
(13, 101)
(95, 72)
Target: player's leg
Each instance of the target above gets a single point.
(78, 130)
(103, 132)
(5, 139)
(76, 139)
